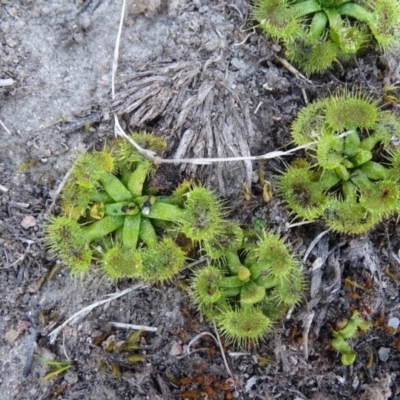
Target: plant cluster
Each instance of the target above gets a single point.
(111, 214)
(350, 177)
(252, 281)
(349, 330)
(122, 354)
(317, 32)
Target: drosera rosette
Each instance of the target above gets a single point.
(318, 32)
(350, 175)
(119, 215)
(243, 287)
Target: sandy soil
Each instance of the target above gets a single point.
(59, 55)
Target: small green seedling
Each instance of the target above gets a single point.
(57, 367)
(253, 281)
(121, 355)
(349, 331)
(111, 214)
(350, 177)
(318, 32)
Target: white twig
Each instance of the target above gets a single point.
(197, 337)
(3, 188)
(313, 243)
(118, 131)
(222, 351)
(85, 311)
(4, 127)
(134, 327)
(288, 226)
(306, 328)
(292, 69)
(217, 340)
(6, 82)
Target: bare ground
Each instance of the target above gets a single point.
(196, 73)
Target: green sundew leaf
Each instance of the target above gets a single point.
(102, 227)
(339, 343)
(114, 187)
(230, 282)
(162, 261)
(309, 123)
(244, 326)
(348, 358)
(351, 144)
(330, 151)
(275, 17)
(351, 110)
(134, 358)
(266, 281)
(229, 238)
(251, 294)
(206, 285)
(349, 217)
(147, 233)
(375, 171)
(301, 193)
(166, 212)
(121, 208)
(138, 177)
(131, 230)
(312, 56)
(122, 262)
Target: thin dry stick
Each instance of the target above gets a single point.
(217, 340)
(222, 351)
(4, 127)
(313, 243)
(134, 327)
(292, 69)
(85, 311)
(3, 188)
(197, 337)
(306, 328)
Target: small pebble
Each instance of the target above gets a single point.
(11, 336)
(250, 384)
(28, 222)
(394, 323)
(176, 349)
(383, 353)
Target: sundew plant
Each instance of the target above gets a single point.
(318, 32)
(112, 216)
(250, 283)
(350, 177)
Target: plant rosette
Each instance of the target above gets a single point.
(249, 286)
(108, 204)
(350, 178)
(318, 32)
